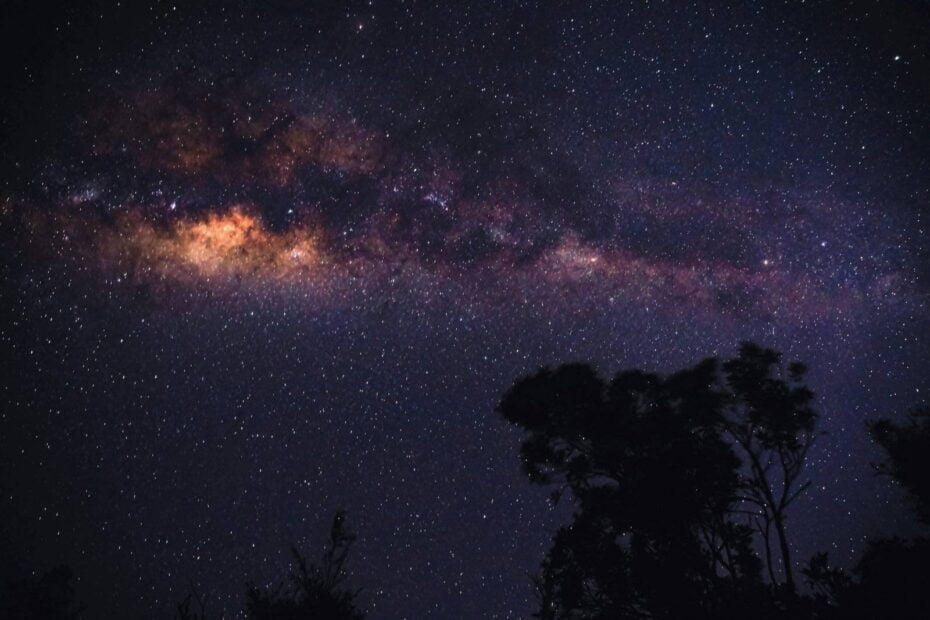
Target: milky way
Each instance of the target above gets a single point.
(205, 175)
(268, 262)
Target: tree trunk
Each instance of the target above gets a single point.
(785, 551)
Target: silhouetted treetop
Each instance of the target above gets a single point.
(671, 475)
(778, 406)
(588, 435)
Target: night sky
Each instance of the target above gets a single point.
(265, 260)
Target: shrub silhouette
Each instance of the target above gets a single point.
(312, 591)
(47, 597)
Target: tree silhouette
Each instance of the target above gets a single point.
(771, 418)
(907, 447)
(653, 465)
(893, 582)
(892, 579)
(314, 591)
(893, 576)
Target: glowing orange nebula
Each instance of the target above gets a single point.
(234, 244)
(231, 249)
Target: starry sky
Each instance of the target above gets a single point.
(263, 260)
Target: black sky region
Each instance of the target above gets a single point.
(266, 260)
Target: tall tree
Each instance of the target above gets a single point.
(654, 484)
(664, 472)
(771, 418)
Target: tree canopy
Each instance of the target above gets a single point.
(674, 479)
